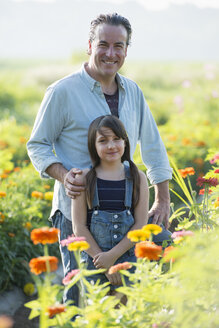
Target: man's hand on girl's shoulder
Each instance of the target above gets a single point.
(74, 182)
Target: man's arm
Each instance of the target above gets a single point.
(161, 207)
(155, 157)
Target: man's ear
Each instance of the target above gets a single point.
(89, 49)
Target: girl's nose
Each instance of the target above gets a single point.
(110, 144)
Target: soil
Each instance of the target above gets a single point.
(21, 317)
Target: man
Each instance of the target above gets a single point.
(71, 104)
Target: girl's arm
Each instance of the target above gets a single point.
(79, 221)
(107, 259)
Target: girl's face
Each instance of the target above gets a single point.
(109, 147)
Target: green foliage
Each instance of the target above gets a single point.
(183, 296)
(19, 211)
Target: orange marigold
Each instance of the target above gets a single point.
(167, 254)
(38, 265)
(148, 249)
(28, 225)
(44, 235)
(46, 187)
(120, 266)
(4, 175)
(17, 169)
(186, 141)
(187, 171)
(2, 193)
(198, 161)
(23, 140)
(55, 309)
(37, 194)
(202, 191)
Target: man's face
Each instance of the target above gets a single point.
(107, 51)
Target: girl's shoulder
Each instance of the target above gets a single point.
(143, 177)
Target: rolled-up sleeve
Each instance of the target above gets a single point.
(47, 128)
(153, 151)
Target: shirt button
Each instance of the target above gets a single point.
(115, 236)
(95, 212)
(115, 226)
(115, 216)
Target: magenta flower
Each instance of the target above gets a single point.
(69, 276)
(182, 233)
(71, 239)
(213, 182)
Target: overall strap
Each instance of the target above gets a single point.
(95, 202)
(128, 187)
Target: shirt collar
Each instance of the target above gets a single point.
(92, 83)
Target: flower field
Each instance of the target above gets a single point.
(179, 290)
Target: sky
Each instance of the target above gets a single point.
(162, 29)
(154, 4)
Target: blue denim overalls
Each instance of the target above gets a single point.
(109, 228)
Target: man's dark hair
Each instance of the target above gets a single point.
(110, 19)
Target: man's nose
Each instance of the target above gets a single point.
(110, 51)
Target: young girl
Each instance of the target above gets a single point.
(115, 201)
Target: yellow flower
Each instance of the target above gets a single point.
(178, 240)
(216, 203)
(78, 245)
(48, 195)
(153, 228)
(138, 235)
(28, 225)
(29, 289)
(94, 316)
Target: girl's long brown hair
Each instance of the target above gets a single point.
(113, 123)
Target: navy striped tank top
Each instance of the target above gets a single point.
(111, 197)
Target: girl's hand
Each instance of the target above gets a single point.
(114, 279)
(104, 260)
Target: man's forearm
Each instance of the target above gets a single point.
(162, 191)
(57, 171)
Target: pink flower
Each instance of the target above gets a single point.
(214, 159)
(186, 84)
(213, 182)
(69, 276)
(71, 239)
(182, 233)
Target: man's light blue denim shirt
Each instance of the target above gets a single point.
(60, 131)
